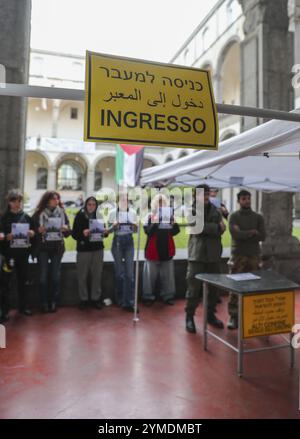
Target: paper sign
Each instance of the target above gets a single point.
(53, 229)
(96, 230)
(20, 235)
(242, 276)
(266, 314)
(165, 214)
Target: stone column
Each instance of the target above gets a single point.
(51, 178)
(267, 59)
(90, 179)
(294, 13)
(15, 18)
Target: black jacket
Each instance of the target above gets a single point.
(81, 222)
(40, 245)
(7, 220)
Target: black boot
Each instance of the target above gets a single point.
(214, 321)
(190, 324)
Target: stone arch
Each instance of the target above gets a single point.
(71, 172)
(229, 72)
(154, 159)
(182, 153)
(148, 163)
(37, 166)
(227, 134)
(169, 158)
(104, 172)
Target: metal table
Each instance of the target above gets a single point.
(269, 282)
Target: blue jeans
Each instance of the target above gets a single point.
(49, 295)
(123, 253)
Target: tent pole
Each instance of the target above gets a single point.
(265, 113)
(34, 91)
(137, 266)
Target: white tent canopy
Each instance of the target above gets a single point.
(266, 157)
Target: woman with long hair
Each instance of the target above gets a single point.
(88, 231)
(52, 226)
(123, 223)
(17, 230)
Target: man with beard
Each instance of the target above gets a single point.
(247, 229)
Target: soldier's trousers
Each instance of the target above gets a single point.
(240, 264)
(194, 286)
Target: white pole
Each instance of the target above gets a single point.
(137, 266)
(23, 90)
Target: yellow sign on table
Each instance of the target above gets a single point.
(141, 102)
(266, 314)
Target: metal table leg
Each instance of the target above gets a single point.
(205, 303)
(292, 351)
(240, 337)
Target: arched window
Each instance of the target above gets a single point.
(98, 180)
(69, 176)
(230, 77)
(41, 178)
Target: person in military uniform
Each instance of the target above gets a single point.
(247, 229)
(204, 256)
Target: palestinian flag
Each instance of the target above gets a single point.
(129, 163)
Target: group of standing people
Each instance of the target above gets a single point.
(43, 234)
(22, 235)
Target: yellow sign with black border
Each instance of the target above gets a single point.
(267, 314)
(142, 102)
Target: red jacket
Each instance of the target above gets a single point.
(160, 244)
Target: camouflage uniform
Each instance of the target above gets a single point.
(240, 264)
(204, 256)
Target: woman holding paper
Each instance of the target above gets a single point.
(159, 251)
(88, 231)
(17, 230)
(122, 223)
(52, 226)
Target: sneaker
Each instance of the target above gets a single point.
(232, 323)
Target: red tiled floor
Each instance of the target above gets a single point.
(97, 364)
